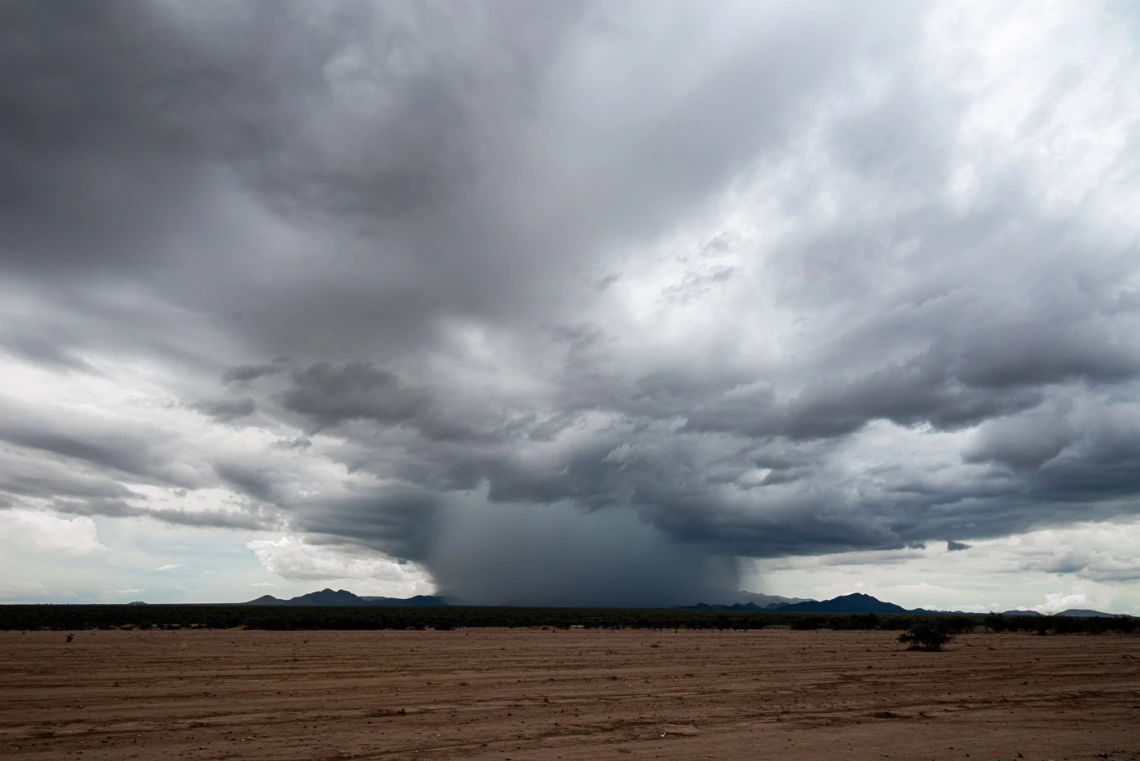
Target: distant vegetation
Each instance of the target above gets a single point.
(61, 617)
(926, 635)
(1061, 624)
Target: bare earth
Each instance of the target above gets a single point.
(578, 694)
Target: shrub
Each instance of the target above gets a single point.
(996, 622)
(925, 636)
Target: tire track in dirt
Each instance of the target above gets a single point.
(582, 694)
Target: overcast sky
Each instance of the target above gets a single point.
(571, 302)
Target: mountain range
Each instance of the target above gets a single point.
(344, 598)
(862, 603)
(852, 603)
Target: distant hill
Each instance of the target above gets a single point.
(853, 603)
(327, 597)
(742, 601)
(729, 598)
(344, 598)
(264, 600)
(734, 606)
(419, 601)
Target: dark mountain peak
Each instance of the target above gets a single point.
(329, 597)
(344, 598)
(1084, 613)
(852, 603)
(266, 600)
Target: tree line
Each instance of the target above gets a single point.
(60, 617)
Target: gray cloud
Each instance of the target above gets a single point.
(328, 395)
(403, 520)
(245, 373)
(532, 277)
(952, 546)
(199, 519)
(114, 452)
(226, 409)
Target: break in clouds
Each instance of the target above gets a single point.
(573, 302)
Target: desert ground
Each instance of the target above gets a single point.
(565, 694)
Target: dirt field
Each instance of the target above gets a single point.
(578, 694)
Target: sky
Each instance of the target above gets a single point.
(571, 303)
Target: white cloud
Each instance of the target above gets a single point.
(168, 567)
(291, 558)
(1094, 564)
(1084, 594)
(42, 532)
(1103, 552)
(15, 589)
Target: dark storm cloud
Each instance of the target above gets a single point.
(952, 546)
(42, 351)
(328, 395)
(498, 249)
(226, 409)
(243, 373)
(921, 390)
(37, 478)
(325, 395)
(295, 442)
(259, 484)
(402, 520)
(197, 519)
(188, 109)
(125, 454)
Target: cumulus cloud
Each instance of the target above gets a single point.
(48, 534)
(1082, 596)
(290, 557)
(459, 283)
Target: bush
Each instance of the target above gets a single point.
(996, 622)
(925, 636)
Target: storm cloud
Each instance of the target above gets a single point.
(572, 303)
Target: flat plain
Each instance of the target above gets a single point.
(577, 694)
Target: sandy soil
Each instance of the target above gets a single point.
(535, 694)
